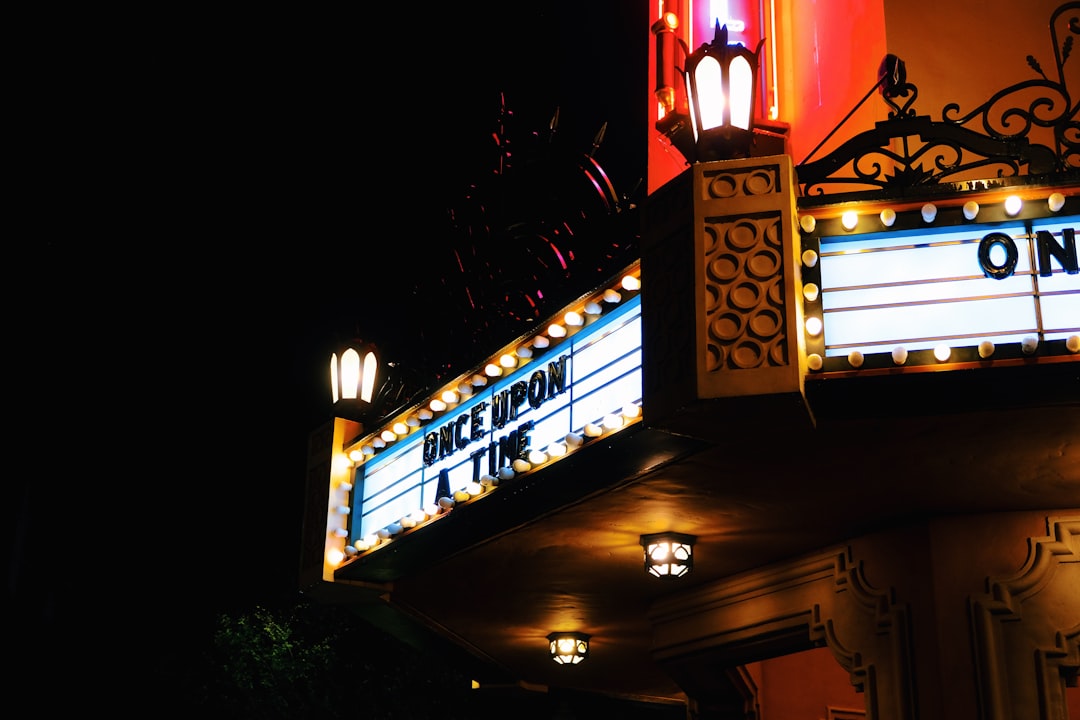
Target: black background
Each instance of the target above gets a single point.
(213, 202)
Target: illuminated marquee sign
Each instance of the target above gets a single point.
(944, 287)
(511, 423)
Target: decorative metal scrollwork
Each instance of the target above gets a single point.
(913, 151)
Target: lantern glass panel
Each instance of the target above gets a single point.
(710, 96)
(741, 78)
(350, 374)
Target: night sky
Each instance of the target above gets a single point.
(236, 201)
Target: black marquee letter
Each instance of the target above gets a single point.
(1065, 252)
(537, 389)
(460, 441)
(998, 272)
(431, 448)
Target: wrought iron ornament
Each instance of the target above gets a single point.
(909, 150)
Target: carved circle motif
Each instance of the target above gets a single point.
(748, 354)
(746, 295)
(772, 235)
(726, 267)
(714, 297)
(723, 186)
(715, 357)
(765, 322)
(778, 351)
(759, 182)
(743, 235)
(776, 293)
(711, 239)
(764, 263)
(727, 326)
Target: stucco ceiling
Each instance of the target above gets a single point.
(561, 550)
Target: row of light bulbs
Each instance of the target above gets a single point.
(506, 361)
(942, 353)
(1013, 204)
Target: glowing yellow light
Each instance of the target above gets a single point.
(613, 422)
(573, 319)
(334, 557)
(631, 283)
(508, 361)
(849, 220)
(556, 449)
(1013, 205)
(437, 405)
(556, 331)
(341, 463)
(388, 435)
(813, 325)
(401, 428)
(449, 397)
(493, 370)
(942, 352)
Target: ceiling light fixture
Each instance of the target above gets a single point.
(668, 554)
(568, 648)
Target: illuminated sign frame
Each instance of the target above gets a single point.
(963, 284)
(539, 399)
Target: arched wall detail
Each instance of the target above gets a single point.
(818, 600)
(1026, 630)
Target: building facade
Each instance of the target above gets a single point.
(850, 384)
